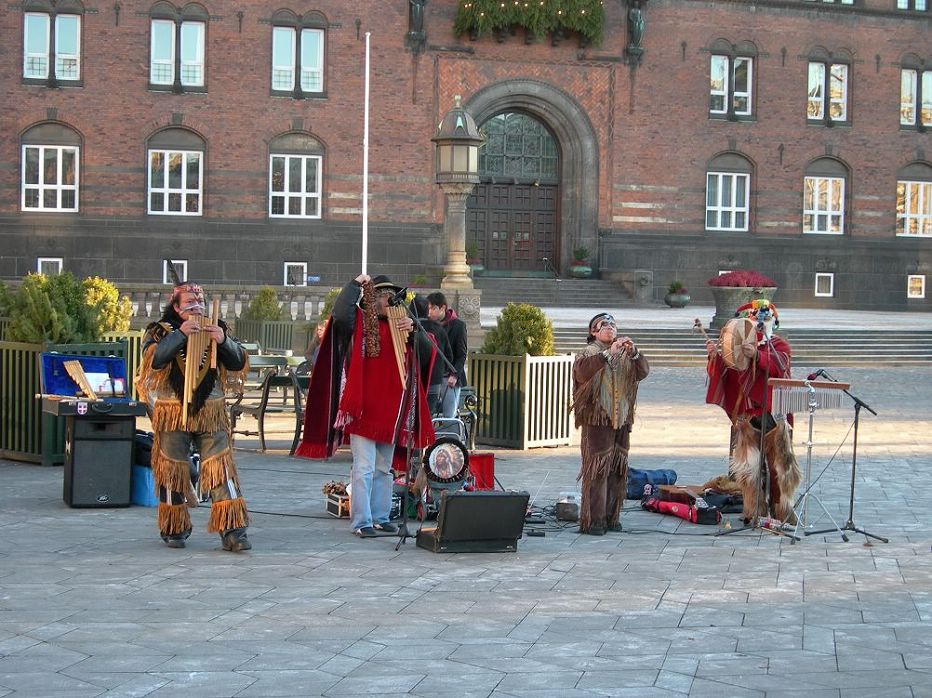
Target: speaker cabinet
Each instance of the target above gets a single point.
(98, 461)
(476, 522)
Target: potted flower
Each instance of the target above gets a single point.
(677, 295)
(473, 259)
(580, 268)
(736, 288)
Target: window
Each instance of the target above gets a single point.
(828, 92)
(824, 285)
(823, 205)
(298, 50)
(175, 182)
(726, 204)
(915, 97)
(730, 85)
(914, 208)
(830, 2)
(176, 50)
(181, 267)
(61, 33)
(294, 186)
(50, 266)
(915, 5)
(916, 286)
(50, 178)
(295, 274)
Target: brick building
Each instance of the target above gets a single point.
(787, 136)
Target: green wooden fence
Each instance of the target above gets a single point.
(524, 401)
(274, 335)
(26, 433)
(4, 323)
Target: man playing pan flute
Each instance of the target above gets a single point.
(205, 426)
(375, 405)
(741, 390)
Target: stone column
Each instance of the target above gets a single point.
(456, 272)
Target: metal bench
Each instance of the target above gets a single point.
(259, 399)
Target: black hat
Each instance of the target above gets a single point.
(382, 282)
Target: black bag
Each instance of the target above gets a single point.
(638, 478)
(142, 448)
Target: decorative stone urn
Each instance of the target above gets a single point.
(730, 298)
(677, 300)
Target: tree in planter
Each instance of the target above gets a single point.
(521, 329)
(580, 268)
(60, 309)
(264, 306)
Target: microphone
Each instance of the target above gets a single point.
(398, 298)
(813, 376)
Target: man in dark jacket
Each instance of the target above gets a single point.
(456, 332)
(437, 384)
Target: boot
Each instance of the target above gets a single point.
(235, 540)
(176, 540)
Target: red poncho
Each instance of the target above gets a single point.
(743, 392)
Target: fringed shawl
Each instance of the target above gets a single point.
(608, 396)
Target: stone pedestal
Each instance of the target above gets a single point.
(729, 298)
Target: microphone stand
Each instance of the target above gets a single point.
(858, 404)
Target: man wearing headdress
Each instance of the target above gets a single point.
(606, 374)
(357, 389)
(747, 399)
(161, 384)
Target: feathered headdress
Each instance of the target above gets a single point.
(760, 309)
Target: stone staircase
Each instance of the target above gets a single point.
(550, 292)
(811, 347)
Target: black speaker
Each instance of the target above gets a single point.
(476, 522)
(98, 462)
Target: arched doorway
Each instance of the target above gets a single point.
(513, 213)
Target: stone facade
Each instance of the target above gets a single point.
(635, 141)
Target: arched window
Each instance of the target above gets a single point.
(177, 43)
(728, 192)
(914, 200)
(50, 168)
(915, 93)
(829, 77)
(295, 176)
(731, 80)
(175, 173)
(52, 42)
(824, 197)
(520, 147)
(298, 51)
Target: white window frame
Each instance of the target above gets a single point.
(41, 186)
(181, 266)
(921, 278)
(179, 39)
(311, 66)
(282, 73)
(287, 194)
(817, 99)
(916, 210)
(915, 5)
(822, 186)
(73, 60)
(302, 266)
(36, 63)
(721, 210)
(727, 70)
(823, 276)
(911, 111)
(58, 261)
(184, 190)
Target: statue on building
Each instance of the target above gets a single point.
(635, 28)
(416, 36)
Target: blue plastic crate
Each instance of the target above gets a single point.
(143, 487)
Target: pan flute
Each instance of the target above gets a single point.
(796, 395)
(200, 355)
(399, 337)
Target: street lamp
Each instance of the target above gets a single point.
(457, 166)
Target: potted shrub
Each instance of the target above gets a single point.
(580, 268)
(677, 295)
(735, 289)
(473, 259)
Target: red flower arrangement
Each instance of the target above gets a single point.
(742, 277)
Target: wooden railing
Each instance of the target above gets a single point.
(524, 401)
(275, 335)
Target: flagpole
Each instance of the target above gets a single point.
(365, 168)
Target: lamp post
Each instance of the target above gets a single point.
(457, 166)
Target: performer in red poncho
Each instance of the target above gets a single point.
(747, 399)
(356, 389)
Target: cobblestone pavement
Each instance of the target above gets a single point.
(92, 603)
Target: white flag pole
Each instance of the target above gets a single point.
(365, 168)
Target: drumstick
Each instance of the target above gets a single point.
(697, 326)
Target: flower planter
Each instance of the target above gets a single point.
(476, 268)
(677, 300)
(729, 298)
(580, 270)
